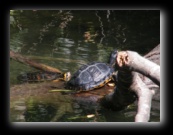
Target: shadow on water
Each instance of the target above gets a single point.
(66, 40)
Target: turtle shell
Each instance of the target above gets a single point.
(91, 76)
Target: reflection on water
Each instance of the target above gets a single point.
(66, 40)
(74, 112)
(39, 113)
(17, 109)
(33, 110)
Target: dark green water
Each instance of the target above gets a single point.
(68, 39)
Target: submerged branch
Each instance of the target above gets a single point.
(26, 61)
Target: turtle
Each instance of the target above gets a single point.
(40, 76)
(87, 77)
(93, 75)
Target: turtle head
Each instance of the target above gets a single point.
(112, 58)
(67, 76)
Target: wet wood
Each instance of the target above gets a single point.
(34, 64)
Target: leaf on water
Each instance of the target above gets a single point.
(90, 115)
